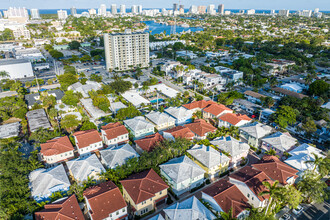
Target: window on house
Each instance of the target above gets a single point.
(248, 195)
(117, 213)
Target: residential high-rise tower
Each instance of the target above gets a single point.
(124, 51)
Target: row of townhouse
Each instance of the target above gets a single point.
(143, 126)
(222, 116)
(241, 191)
(265, 137)
(144, 192)
(61, 149)
(141, 193)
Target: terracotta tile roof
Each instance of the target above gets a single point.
(113, 130)
(56, 146)
(104, 198)
(254, 94)
(65, 209)
(198, 104)
(149, 142)
(201, 127)
(228, 196)
(111, 125)
(216, 109)
(86, 138)
(253, 179)
(144, 185)
(233, 118)
(180, 131)
(275, 169)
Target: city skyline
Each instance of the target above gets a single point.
(229, 4)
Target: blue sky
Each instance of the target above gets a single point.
(324, 5)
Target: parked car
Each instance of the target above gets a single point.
(298, 210)
(286, 216)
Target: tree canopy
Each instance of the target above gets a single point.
(284, 116)
(74, 45)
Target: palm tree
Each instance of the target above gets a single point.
(227, 215)
(4, 74)
(273, 192)
(271, 152)
(321, 164)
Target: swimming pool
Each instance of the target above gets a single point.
(155, 101)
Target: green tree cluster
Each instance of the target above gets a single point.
(284, 116)
(120, 86)
(102, 102)
(12, 107)
(15, 193)
(87, 125)
(69, 122)
(71, 98)
(129, 112)
(74, 45)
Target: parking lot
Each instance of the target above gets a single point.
(92, 68)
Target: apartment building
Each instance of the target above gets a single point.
(127, 50)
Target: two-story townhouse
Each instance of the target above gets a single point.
(88, 141)
(215, 111)
(277, 170)
(201, 129)
(117, 155)
(168, 67)
(212, 161)
(252, 133)
(214, 81)
(224, 196)
(114, 134)
(82, 168)
(148, 143)
(68, 207)
(178, 132)
(182, 174)
(139, 127)
(198, 105)
(161, 120)
(235, 148)
(144, 191)
(253, 96)
(191, 209)
(182, 115)
(250, 182)
(104, 201)
(43, 182)
(232, 119)
(56, 150)
(280, 142)
(300, 155)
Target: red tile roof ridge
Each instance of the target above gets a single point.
(64, 142)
